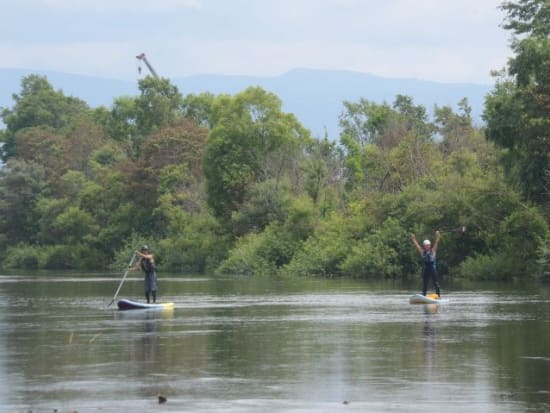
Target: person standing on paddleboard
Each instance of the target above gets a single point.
(429, 267)
(147, 263)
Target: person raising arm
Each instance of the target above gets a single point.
(429, 265)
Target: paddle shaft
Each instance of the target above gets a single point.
(123, 278)
(460, 230)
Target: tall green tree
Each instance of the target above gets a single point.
(252, 141)
(120, 122)
(531, 17)
(454, 128)
(386, 147)
(517, 112)
(158, 105)
(21, 185)
(38, 105)
(200, 108)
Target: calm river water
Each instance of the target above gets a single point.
(269, 345)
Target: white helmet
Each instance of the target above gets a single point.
(426, 242)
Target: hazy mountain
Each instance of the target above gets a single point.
(314, 96)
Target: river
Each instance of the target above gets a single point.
(272, 345)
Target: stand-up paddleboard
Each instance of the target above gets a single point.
(125, 304)
(426, 299)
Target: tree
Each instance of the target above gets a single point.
(454, 128)
(199, 108)
(517, 112)
(531, 17)
(120, 122)
(158, 105)
(364, 121)
(386, 147)
(42, 147)
(83, 139)
(21, 185)
(38, 104)
(323, 174)
(252, 141)
(183, 142)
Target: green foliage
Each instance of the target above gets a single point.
(364, 122)
(73, 226)
(264, 203)
(517, 252)
(24, 256)
(543, 259)
(129, 245)
(521, 232)
(193, 243)
(72, 256)
(40, 105)
(527, 17)
(159, 104)
(302, 218)
(455, 129)
(22, 184)
(386, 147)
(379, 253)
(494, 267)
(54, 257)
(266, 252)
(260, 253)
(199, 108)
(251, 141)
(517, 111)
(324, 251)
(246, 257)
(233, 184)
(120, 122)
(322, 174)
(42, 147)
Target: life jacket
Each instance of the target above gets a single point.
(428, 260)
(147, 265)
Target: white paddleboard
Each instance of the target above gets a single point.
(125, 304)
(426, 299)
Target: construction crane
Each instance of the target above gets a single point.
(144, 60)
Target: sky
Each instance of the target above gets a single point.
(438, 40)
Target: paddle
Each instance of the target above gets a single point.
(460, 230)
(123, 278)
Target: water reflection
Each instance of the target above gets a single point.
(246, 345)
(143, 332)
(429, 334)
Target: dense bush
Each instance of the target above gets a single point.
(543, 260)
(234, 184)
(24, 257)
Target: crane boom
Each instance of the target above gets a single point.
(144, 59)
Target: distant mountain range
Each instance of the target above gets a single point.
(314, 96)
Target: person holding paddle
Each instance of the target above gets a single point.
(429, 267)
(147, 263)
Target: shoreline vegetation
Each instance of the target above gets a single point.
(231, 184)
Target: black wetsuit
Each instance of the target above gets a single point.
(148, 268)
(429, 271)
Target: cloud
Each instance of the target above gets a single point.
(428, 39)
(90, 58)
(106, 6)
(436, 62)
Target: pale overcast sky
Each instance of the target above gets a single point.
(440, 40)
